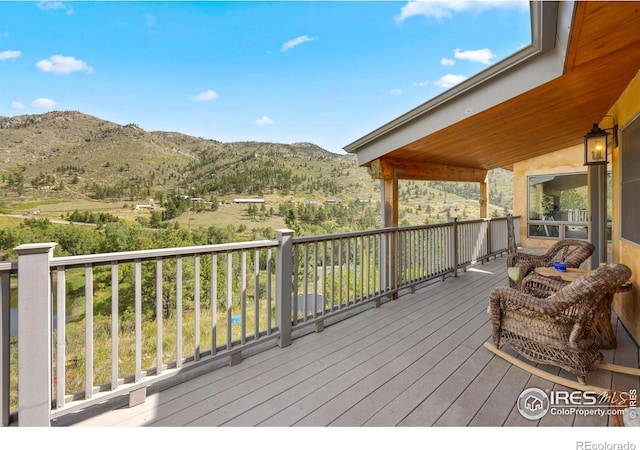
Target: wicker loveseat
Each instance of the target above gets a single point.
(555, 329)
(573, 252)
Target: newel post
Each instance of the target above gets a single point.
(456, 244)
(5, 349)
(284, 273)
(489, 223)
(34, 334)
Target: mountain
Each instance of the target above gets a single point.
(68, 156)
(85, 153)
(92, 157)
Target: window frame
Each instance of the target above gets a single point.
(629, 148)
(561, 225)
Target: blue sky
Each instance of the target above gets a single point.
(322, 72)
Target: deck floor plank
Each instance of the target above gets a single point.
(471, 399)
(426, 336)
(502, 401)
(394, 379)
(362, 350)
(410, 395)
(411, 366)
(242, 420)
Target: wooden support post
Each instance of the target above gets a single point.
(389, 202)
(484, 199)
(390, 219)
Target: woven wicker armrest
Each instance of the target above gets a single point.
(601, 280)
(503, 297)
(519, 257)
(540, 286)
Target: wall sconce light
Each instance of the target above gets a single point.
(596, 143)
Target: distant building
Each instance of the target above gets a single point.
(149, 207)
(248, 200)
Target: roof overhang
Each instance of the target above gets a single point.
(541, 99)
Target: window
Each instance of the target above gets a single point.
(558, 206)
(630, 181)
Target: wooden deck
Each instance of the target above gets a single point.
(417, 361)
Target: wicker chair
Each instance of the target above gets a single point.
(573, 252)
(555, 329)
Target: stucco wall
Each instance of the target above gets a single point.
(627, 306)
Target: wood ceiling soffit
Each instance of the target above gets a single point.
(556, 116)
(601, 28)
(577, 25)
(390, 168)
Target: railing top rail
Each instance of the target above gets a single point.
(558, 222)
(8, 266)
(140, 255)
(334, 236)
(444, 224)
(330, 237)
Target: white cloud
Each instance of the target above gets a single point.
(483, 56)
(295, 42)
(43, 103)
(420, 83)
(447, 62)
(150, 19)
(396, 91)
(449, 80)
(206, 96)
(50, 6)
(63, 65)
(17, 105)
(9, 54)
(435, 9)
(446, 9)
(264, 120)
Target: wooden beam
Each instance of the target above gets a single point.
(389, 168)
(375, 169)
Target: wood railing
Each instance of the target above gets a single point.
(97, 326)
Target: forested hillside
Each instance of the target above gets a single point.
(69, 166)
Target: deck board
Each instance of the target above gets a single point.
(416, 361)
